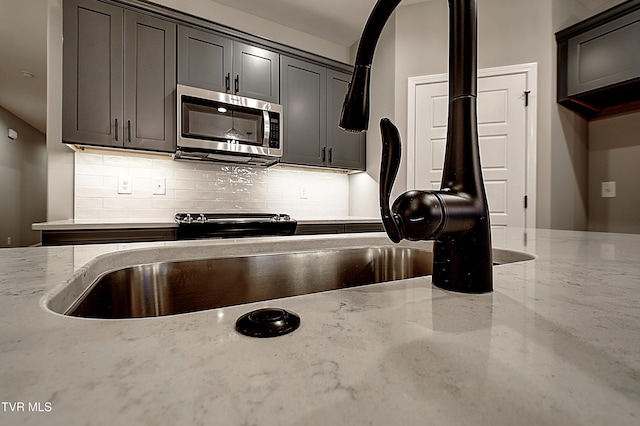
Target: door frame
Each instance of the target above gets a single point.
(530, 70)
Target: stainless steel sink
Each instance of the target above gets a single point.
(167, 288)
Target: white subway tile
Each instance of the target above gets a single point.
(167, 214)
(84, 158)
(172, 204)
(197, 187)
(99, 214)
(181, 184)
(81, 192)
(88, 203)
(90, 181)
(115, 161)
(123, 203)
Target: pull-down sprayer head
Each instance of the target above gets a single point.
(355, 111)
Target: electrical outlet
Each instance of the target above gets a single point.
(159, 186)
(608, 189)
(124, 185)
(8, 241)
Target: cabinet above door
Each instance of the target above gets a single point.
(598, 62)
(210, 61)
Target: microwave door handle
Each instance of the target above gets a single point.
(267, 129)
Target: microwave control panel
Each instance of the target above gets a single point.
(274, 130)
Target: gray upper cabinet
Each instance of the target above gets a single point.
(345, 149)
(257, 72)
(210, 61)
(118, 77)
(149, 83)
(121, 65)
(312, 97)
(92, 73)
(304, 99)
(204, 59)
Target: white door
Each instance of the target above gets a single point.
(504, 129)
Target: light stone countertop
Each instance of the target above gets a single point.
(97, 224)
(556, 343)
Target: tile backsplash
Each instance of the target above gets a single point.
(201, 187)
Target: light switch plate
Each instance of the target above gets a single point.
(124, 185)
(304, 192)
(159, 186)
(608, 189)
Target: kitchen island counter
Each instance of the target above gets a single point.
(555, 343)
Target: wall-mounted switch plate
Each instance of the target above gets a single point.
(124, 185)
(608, 189)
(159, 186)
(304, 192)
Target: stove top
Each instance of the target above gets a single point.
(189, 218)
(225, 225)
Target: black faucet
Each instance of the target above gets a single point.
(457, 216)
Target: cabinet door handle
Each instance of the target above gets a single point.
(330, 155)
(237, 83)
(227, 81)
(116, 126)
(129, 130)
(324, 154)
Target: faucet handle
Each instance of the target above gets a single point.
(391, 154)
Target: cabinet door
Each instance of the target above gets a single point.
(605, 56)
(256, 73)
(304, 99)
(204, 60)
(149, 84)
(92, 82)
(345, 149)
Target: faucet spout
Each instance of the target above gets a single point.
(456, 217)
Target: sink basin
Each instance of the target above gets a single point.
(142, 287)
(167, 288)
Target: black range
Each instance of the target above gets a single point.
(231, 225)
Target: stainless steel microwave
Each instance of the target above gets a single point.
(214, 126)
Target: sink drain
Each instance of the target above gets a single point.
(267, 322)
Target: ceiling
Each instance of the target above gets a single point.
(339, 21)
(23, 36)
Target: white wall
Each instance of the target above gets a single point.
(59, 157)
(22, 181)
(614, 155)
